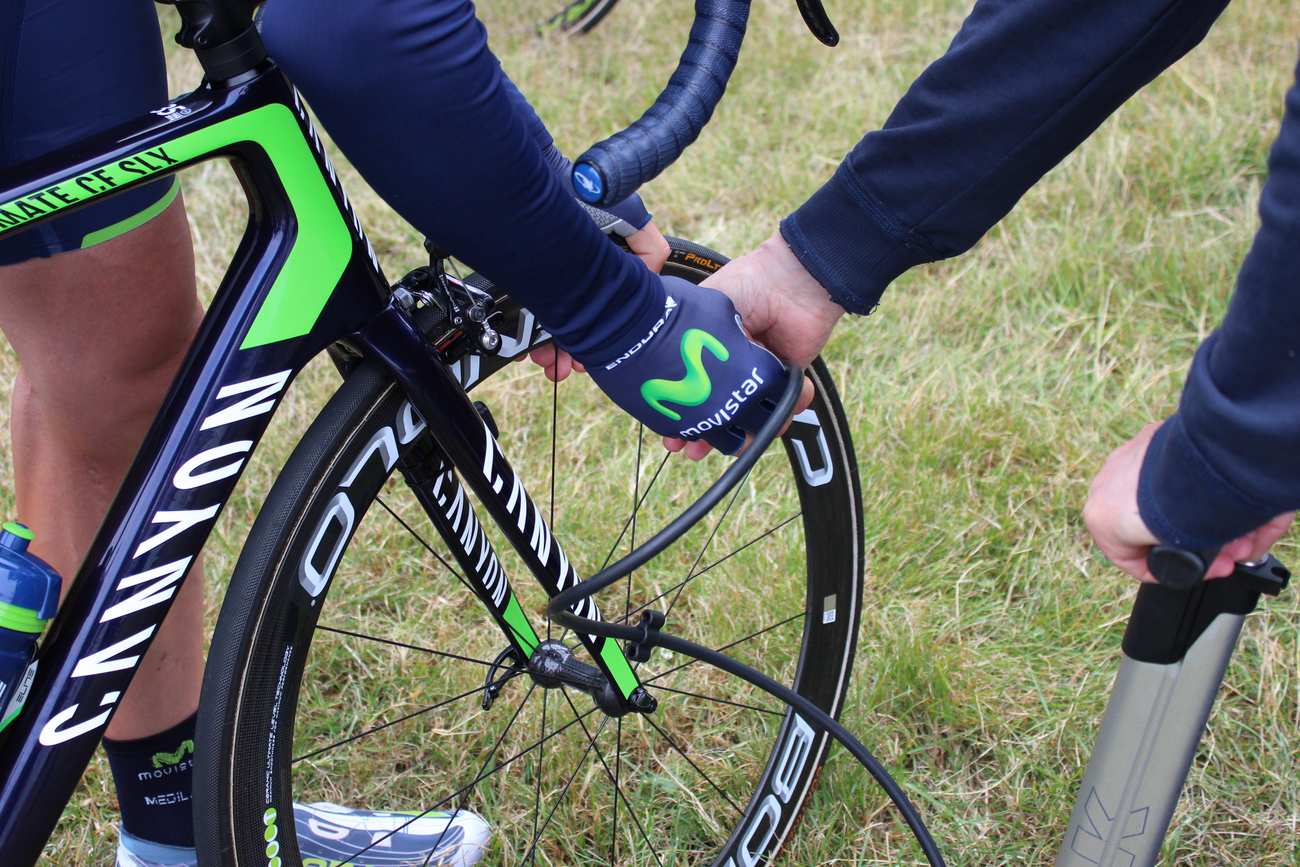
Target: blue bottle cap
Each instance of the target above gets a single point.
(26, 581)
(16, 536)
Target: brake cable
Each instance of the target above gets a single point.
(648, 634)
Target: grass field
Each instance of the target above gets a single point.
(982, 396)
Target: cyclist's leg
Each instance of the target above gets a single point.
(98, 333)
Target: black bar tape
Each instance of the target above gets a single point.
(616, 167)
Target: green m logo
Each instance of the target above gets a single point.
(163, 760)
(694, 388)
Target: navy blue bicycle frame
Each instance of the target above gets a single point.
(304, 277)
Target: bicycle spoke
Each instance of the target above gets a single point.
(700, 695)
(618, 790)
(691, 574)
(501, 767)
(717, 562)
(618, 769)
(681, 752)
(627, 605)
(577, 769)
(375, 842)
(416, 647)
(555, 436)
(441, 560)
(728, 646)
(760, 537)
(707, 542)
(628, 522)
(540, 767)
(491, 753)
(636, 505)
(474, 782)
(392, 723)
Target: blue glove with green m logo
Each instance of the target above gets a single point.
(695, 375)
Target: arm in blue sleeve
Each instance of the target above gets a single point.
(411, 94)
(1022, 84)
(1229, 459)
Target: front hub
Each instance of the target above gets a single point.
(553, 664)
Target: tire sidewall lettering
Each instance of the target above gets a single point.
(809, 443)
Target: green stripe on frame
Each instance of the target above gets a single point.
(618, 666)
(321, 247)
(121, 227)
(518, 621)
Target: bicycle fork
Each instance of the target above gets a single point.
(1176, 649)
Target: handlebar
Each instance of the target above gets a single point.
(613, 169)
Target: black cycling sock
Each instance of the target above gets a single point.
(154, 777)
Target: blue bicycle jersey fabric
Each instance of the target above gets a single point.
(68, 69)
(1022, 84)
(1229, 459)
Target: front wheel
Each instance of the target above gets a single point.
(349, 662)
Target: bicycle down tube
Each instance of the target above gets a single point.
(303, 277)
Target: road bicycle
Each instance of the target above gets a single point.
(631, 733)
(277, 720)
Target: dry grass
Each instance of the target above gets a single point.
(982, 395)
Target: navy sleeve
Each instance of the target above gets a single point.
(411, 94)
(1229, 459)
(1022, 84)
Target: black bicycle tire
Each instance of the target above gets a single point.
(224, 814)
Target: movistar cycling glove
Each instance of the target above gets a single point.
(695, 375)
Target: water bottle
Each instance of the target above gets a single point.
(29, 596)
